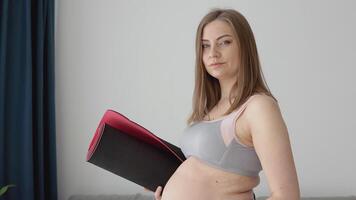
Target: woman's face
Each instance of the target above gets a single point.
(220, 50)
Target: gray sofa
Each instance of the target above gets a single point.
(139, 196)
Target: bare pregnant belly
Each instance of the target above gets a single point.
(196, 180)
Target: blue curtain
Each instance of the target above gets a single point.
(27, 111)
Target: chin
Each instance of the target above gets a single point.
(217, 76)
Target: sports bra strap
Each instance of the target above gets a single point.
(243, 106)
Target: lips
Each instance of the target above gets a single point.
(216, 64)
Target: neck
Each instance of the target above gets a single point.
(225, 87)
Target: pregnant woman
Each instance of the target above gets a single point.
(236, 128)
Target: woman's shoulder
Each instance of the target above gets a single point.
(262, 98)
(261, 104)
(262, 114)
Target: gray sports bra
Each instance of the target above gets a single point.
(215, 143)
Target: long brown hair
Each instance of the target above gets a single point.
(249, 79)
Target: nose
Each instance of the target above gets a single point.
(213, 52)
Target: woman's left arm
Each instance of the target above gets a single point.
(272, 145)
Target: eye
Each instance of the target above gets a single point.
(225, 42)
(204, 46)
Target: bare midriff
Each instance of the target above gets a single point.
(195, 180)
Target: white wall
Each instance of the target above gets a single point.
(137, 57)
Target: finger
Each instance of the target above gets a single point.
(158, 193)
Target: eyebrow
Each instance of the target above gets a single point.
(226, 35)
